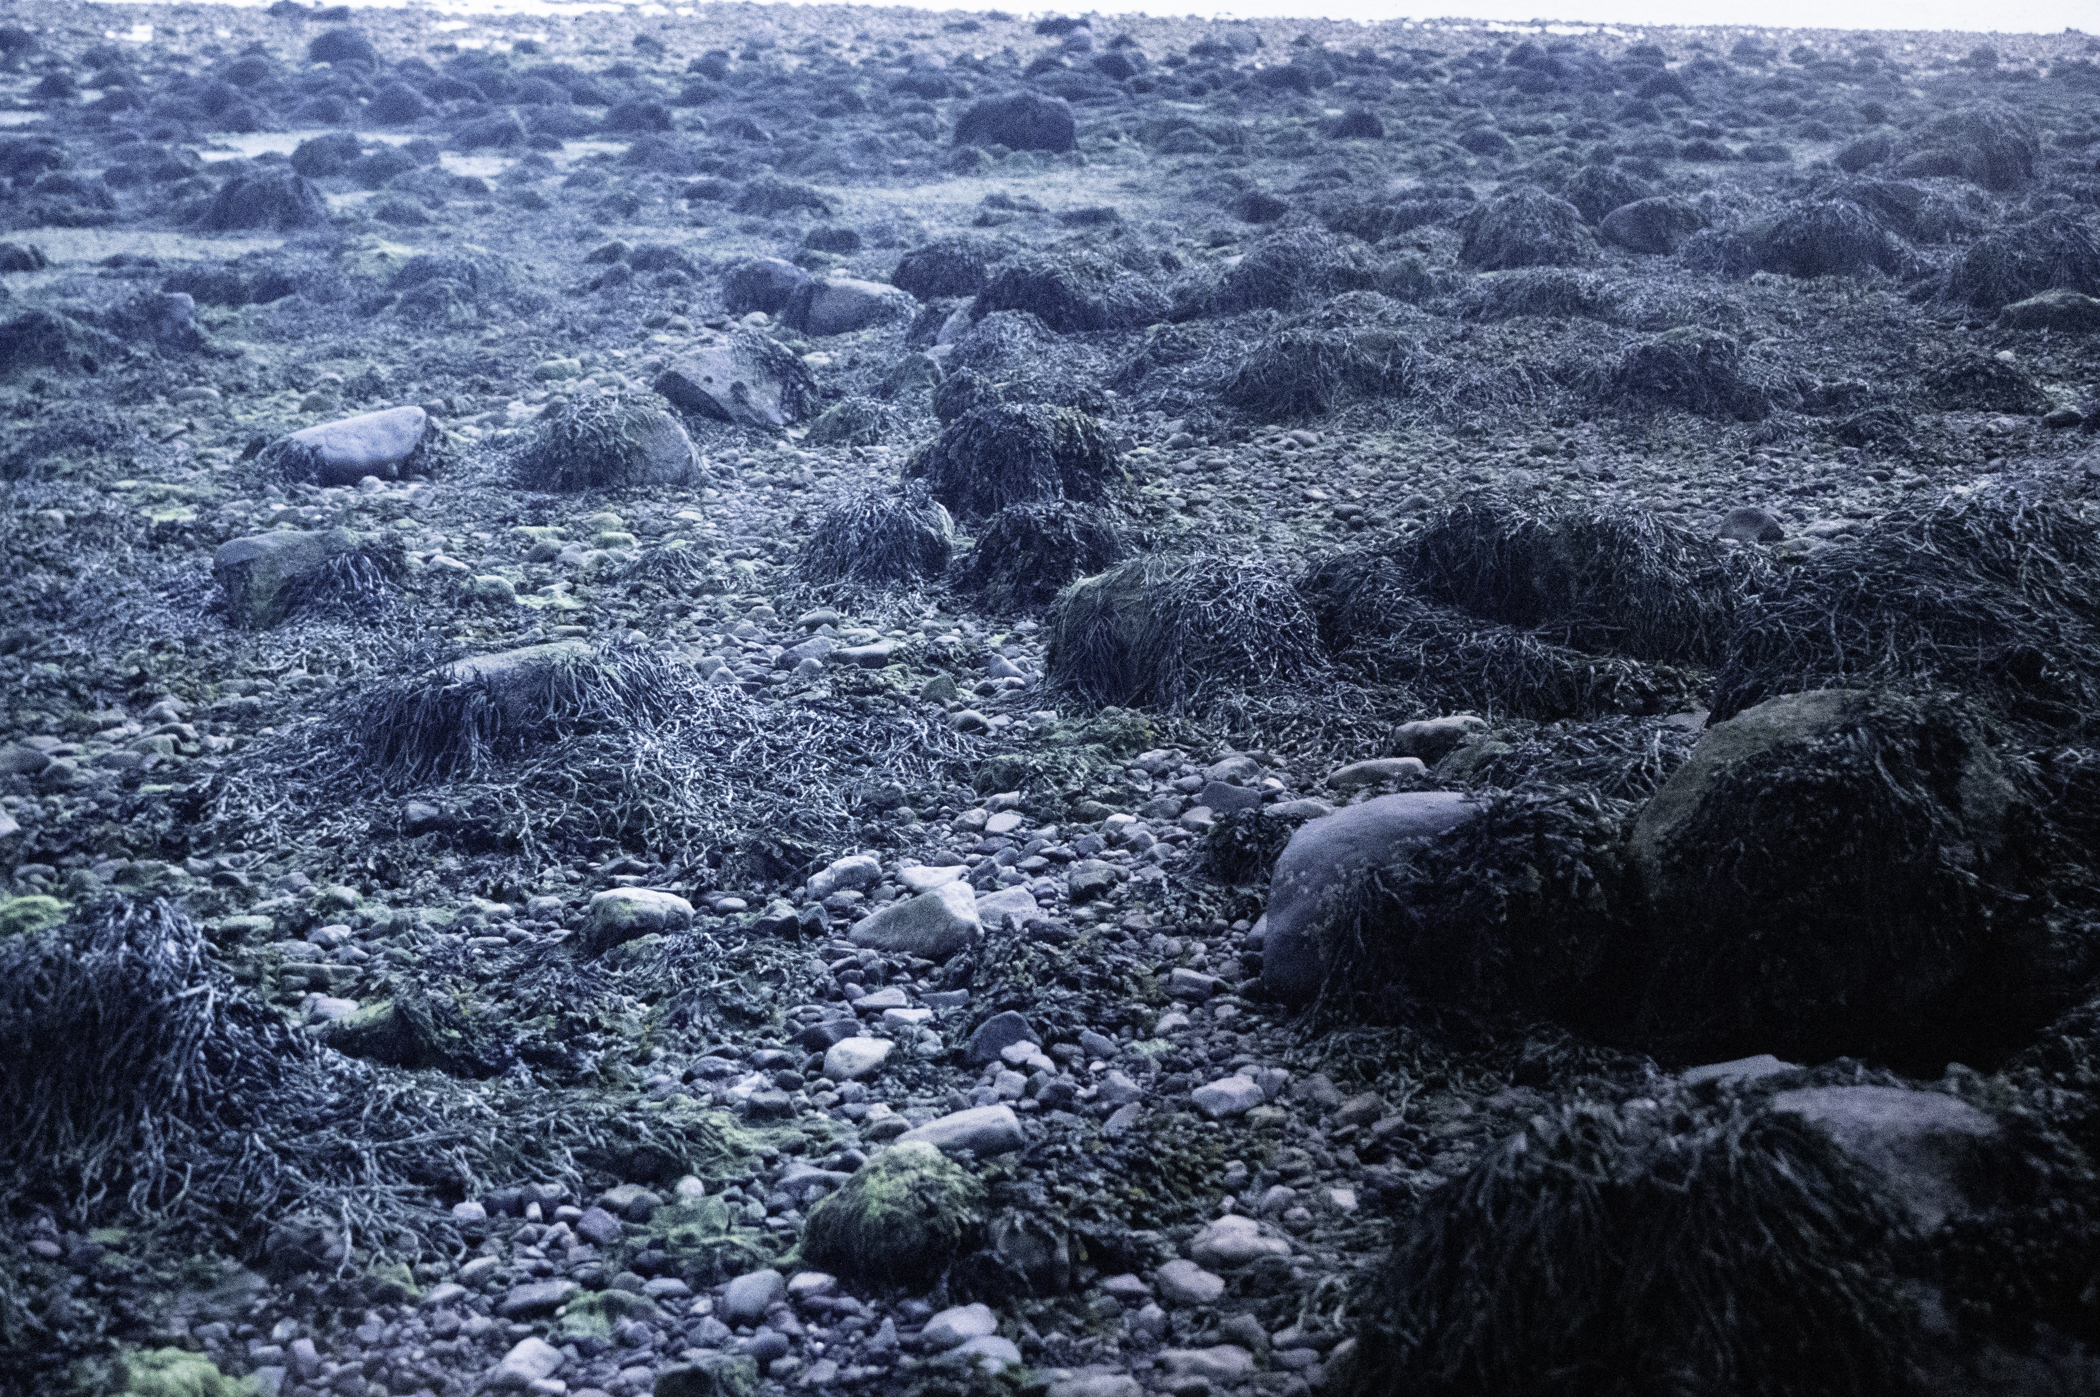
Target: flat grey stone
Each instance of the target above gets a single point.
(530, 1360)
(1233, 1241)
(1358, 775)
(853, 1058)
(958, 1325)
(622, 914)
(1742, 1069)
(536, 1298)
(345, 451)
(933, 926)
(743, 378)
(1228, 1096)
(1925, 1145)
(1224, 1363)
(983, 1130)
(993, 909)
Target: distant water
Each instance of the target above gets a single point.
(1969, 16)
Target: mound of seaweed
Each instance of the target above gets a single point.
(1294, 270)
(1995, 593)
(2060, 250)
(1073, 292)
(1694, 370)
(461, 719)
(1003, 454)
(1836, 872)
(1182, 633)
(1027, 553)
(1648, 1251)
(1529, 907)
(1989, 143)
(1827, 237)
(1301, 372)
(879, 537)
(605, 441)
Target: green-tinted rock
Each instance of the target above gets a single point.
(595, 1315)
(900, 1220)
(173, 1372)
(264, 575)
(716, 1375)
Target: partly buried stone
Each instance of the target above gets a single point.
(1750, 524)
(1020, 120)
(712, 1375)
(535, 1298)
(1654, 225)
(1186, 1283)
(995, 1035)
(958, 1325)
(841, 305)
(622, 914)
(2067, 312)
(932, 926)
(265, 576)
(1376, 772)
(982, 1130)
(1929, 1150)
(1228, 1096)
(900, 1220)
(397, 442)
(1324, 852)
(523, 681)
(1234, 1241)
(1433, 739)
(740, 377)
(1818, 878)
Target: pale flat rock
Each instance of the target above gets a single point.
(984, 1130)
(1742, 1069)
(1222, 1363)
(959, 1325)
(853, 1058)
(1357, 775)
(622, 914)
(1228, 1096)
(344, 452)
(529, 1361)
(990, 1351)
(740, 377)
(1925, 1145)
(1233, 1241)
(747, 1298)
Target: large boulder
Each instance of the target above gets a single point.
(518, 680)
(932, 926)
(389, 444)
(279, 200)
(264, 576)
(842, 305)
(605, 442)
(740, 377)
(1322, 854)
(1018, 121)
(901, 1220)
(1818, 881)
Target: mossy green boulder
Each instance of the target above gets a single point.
(902, 1220)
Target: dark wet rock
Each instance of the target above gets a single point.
(742, 378)
(1320, 855)
(1655, 225)
(763, 284)
(277, 200)
(1018, 121)
(265, 576)
(841, 305)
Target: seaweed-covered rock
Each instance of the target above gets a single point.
(1816, 880)
(1294, 269)
(1026, 553)
(1018, 121)
(740, 377)
(1621, 1241)
(619, 915)
(265, 577)
(879, 537)
(1526, 227)
(1597, 190)
(1654, 225)
(1989, 143)
(174, 1372)
(1073, 292)
(2059, 251)
(1182, 633)
(1016, 453)
(902, 1219)
(1827, 237)
(281, 200)
(605, 441)
(390, 444)
(956, 266)
(2067, 312)
(1694, 370)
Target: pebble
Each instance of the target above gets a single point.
(1228, 1096)
(535, 1298)
(746, 1299)
(853, 1058)
(985, 1130)
(959, 1324)
(1222, 1363)
(1233, 1241)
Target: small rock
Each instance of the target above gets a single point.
(346, 451)
(1224, 1363)
(1096, 1385)
(1433, 739)
(746, 1299)
(1358, 775)
(530, 1360)
(985, 1130)
(1186, 1283)
(1228, 1096)
(597, 1227)
(1015, 904)
(958, 1325)
(1743, 1069)
(854, 1058)
(933, 926)
(1750, 524)
(856, 872)
(1233, 1241)
(535, 1298)
(1192, 985)
(991, 1352)
(995, 1035)
(622, 914)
